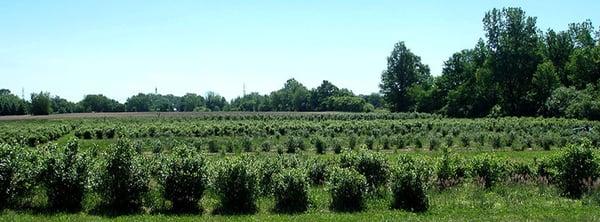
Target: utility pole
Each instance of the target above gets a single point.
(155, 90)
(244, 89)
(23, 93)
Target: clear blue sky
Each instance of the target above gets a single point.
(120, 47)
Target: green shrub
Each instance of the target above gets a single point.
(320, 145)
(353, 141)
(268, 168)
(464, 141)
(434, 143)
(547, 168)
(488, 169)
(183, 179)
(546, 142)
(336, 145)
(496, 142)
(521, 171)
(317, 171)
(18, 173)
(370, 142)
(291, 191)
(418, 142)
(450, 170)
(294, 144)
(576, 165)
(348, 189)
(65, 177)
(385, 142)
(409, 186)
(122, 178)
(247, 144)
(400, 142)
(372, 165)
(266, 146)
(449, 141)
(236, 187)
(230, 146)
(213, 146)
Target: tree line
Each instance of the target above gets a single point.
(517, 70)
(294, 96)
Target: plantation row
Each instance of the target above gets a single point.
(409, 127)
(119, 177)
(194, 128)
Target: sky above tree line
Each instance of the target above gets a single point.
(120, 48)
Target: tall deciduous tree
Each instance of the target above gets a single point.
(40, 103)
(404, 69)
(559, 47)
(513, 42)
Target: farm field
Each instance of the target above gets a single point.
(462, 169)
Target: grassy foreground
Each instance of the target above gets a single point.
(466, 202)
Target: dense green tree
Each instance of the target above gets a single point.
(40, 103)
(559, 47)
(404, 69)
(319, 95)
(582, 34)
(374, 99)
(60, 105)
(252, 102)
(545, 80)
(292, 97)
(215, 102)
(513, 43)
(191, 101)
(346, 103)
(138, 103)
(584, 66)
(11, 104)
(100, 103)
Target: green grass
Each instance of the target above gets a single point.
(467, 202)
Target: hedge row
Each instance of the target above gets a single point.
(120, 177)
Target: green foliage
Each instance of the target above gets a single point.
(40, 103)
(434, 142)
(404, 70)
(266, 146)
(488, 169)
(336, 145)
(247, 144)
(291, 191)
(409, 185)
(576, 166)
(100, 103)
(451, 170)
(572, 103)
(370, 142)
(183, 179)
(317, 171)
(11, 104)
(320, 145)
(372, 165)
(353, 141)
(236, 185)
(294, 144)
(213, 146)
(348, 190)
(19, 169)
(122, 178)
(65, 177)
